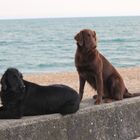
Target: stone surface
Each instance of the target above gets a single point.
(113, 121)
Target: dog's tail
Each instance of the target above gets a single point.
(129, 95)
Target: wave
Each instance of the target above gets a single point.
(119, 40)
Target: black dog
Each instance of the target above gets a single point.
(22, 98)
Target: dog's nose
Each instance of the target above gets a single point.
(22, 88)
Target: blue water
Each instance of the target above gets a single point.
(47, 45)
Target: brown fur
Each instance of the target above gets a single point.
(94, 68)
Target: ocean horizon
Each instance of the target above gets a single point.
(48, 45)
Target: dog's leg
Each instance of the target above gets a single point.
(8, 114)
(81, 86)
(116, 88)
(99, 83)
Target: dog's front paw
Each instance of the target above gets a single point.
(98, 101)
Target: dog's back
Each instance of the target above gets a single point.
(50, 99)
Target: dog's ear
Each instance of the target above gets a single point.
(3, 82)
(79, 38)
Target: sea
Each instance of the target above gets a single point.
(48, 45)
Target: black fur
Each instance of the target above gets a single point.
(23, 98)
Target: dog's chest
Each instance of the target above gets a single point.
(87, 72)
(85, 68)
(84, 64)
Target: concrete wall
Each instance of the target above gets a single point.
(114, 121)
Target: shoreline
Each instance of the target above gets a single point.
(131, 78)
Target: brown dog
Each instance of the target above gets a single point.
(94, 68)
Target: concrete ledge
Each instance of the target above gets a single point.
(114, 121)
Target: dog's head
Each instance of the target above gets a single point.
(12, 80)
(86, 38)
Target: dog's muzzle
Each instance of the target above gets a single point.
(22, 88)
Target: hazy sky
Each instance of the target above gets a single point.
(67, 8)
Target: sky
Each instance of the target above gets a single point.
(67, 8)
